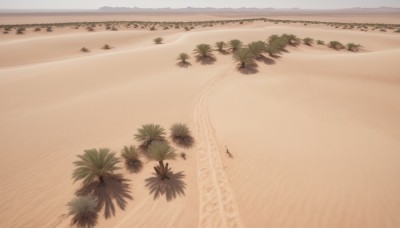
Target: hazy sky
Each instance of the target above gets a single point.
(94, 4)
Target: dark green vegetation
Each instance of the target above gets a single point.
(158, 40)
(336, 45)
(95, 164)
(190, 25)
(102, 189)
(183, 57)
(247, 56)
(83, 210)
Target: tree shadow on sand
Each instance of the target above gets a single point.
(249, 69)
(266, 60)
(171, 188)
(206, 60)
(223, 52)
(115, 191)
(184, 64)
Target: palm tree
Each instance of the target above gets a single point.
(220, 45)
(180, 134)
(161, 151)
(353, 47)
(235, 44)
(308, 41)
(244, 57)
(95, 163)
(257, 48)
(132, 160)
(83, 210)
(149, 133)
(203, 50)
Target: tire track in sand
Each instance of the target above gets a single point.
(218, 206)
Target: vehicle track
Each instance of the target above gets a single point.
(218, 206)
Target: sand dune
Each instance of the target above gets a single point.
(314, 134)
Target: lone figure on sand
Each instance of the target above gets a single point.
(228, 153)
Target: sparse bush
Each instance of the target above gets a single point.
(37, 29)
(153, 28)
(90, 29)
(336, 45)
(20, 31)
(83, 210)
(353, 47)
(308, 41)
(106, 47)
(158, 40)
(183, 57)
(293, 40)
(180, 135)
(257, 48)
(132, 160)
(49, 29)
(149, 133)
(183, 155)
(114, 29)
(84, 49)
(320, 42)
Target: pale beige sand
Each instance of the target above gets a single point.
(314, 136)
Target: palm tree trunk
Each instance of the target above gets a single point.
(101, 180)
(164, 170)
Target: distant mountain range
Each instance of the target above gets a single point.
(242, 9)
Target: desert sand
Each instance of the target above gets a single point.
(314, 134)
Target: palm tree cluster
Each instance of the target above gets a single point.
(246, 55)
(99, 165)
(155, 146)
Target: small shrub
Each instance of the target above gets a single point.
(153, 28)
(20, 31)
(38, 29)
(49, 29)
(180, 135)
(106, 47)
(83, 210)
(183, 155)
(320, 42)
(132, 161)
(353, 47)
(220, 46)
(84, 49)
(183, 57)
(308, 41)
(336, 45)
(158, 40)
